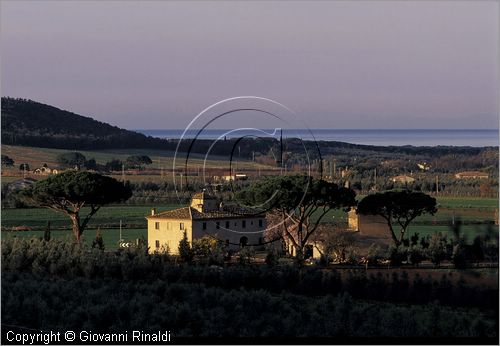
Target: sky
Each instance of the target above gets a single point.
(336, 64)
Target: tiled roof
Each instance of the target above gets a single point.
(222, 215)
(193, 214)
(181, 213)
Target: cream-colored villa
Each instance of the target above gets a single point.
(204, 217)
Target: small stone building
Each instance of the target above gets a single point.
(403, 179)
(369, 225)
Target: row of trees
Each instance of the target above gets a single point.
(436, 249)
(7, 161)
(76, 159)
(446, 185)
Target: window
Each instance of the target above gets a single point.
(157, 225)
(217, 225)
(169, 225)
(227, 224)
(181, 226)
(260, 223)
(204, 225)
(243, 223)
(236, 223)
(251, 223)
(157, 243)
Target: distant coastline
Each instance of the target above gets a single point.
(382, 137)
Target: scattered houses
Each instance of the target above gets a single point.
(424, 166)
(404, 179)
(472, 175)
(45, 170)
(233, 177)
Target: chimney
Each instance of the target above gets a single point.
(153, 211)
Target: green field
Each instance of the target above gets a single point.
(460, 202)
(469, 210)
(465, 209)
(133, 217)
(105, 217)
(475, 212)
(469, 231)
(467, 202)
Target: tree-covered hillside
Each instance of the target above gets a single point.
(29, 123)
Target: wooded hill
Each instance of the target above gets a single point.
(29, 123)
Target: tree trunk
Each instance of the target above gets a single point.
(394, 238)
(299, 256)
(75, 219)
(402, 235)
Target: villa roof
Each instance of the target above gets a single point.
(190, 213)
(181, 213)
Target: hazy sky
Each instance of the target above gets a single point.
(376, 64)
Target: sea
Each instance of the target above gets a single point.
(382, 137)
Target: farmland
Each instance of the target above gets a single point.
(36, 157)
(474, 212)
(467, 209)
(106, 217)
(450, 283)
